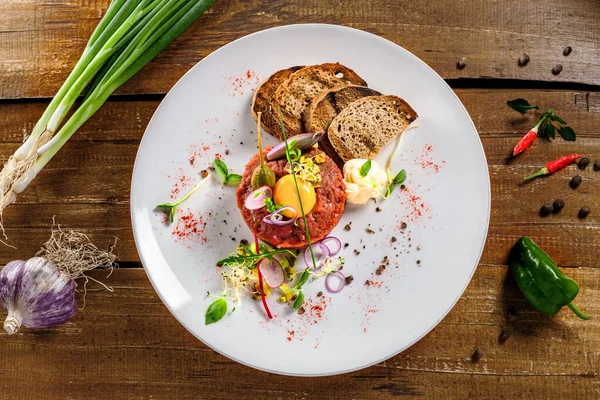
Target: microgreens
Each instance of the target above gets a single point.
(251, 259)
(549, 122)
(226, 177)
(398, 180)
(170, 208)
(366, 167)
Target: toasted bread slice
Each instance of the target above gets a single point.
(297, 91)
(261, 101)
(326, 106)
(366, 126)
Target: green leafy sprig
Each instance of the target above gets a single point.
(171, 208)
(215, 311)
(226, 177)
(549, 122)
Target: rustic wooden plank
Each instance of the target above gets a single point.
(40, 42)
(130, 346)
(125, 119)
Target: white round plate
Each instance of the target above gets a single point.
(446, 206)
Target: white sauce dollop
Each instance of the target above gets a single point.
(359, 190)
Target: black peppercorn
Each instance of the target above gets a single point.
(546, 209)
(558, 205)
(476, 356)
(575, 181)
(583, 163)
(523, 60)
(584, 212)
(567, 50)
(597, 165)
(503, 336)
(557, 69)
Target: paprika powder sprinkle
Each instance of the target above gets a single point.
(555, 165)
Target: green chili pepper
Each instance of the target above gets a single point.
(544, 285)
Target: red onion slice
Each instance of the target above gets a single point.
(330, 283)
(321, 253)
(277, 217)
(333, 244)
(256, 199)
(271, 272)
(302, 141)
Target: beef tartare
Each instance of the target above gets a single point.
(323, 200)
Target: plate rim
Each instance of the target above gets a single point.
(354, 31)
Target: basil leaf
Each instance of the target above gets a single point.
(520, 105)
(299, 300)
(558, 119)
(233, 179)
(567, 133)
(221, 168)
(215, 311)
(366, 167)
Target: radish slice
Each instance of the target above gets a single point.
(256, 199)
(321, 253)
(332, 285)
(271, 272)
(333, 244)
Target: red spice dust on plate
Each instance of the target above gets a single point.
(189, 227)
(180, 182)
(301, 325)
(426, 160)
(196, 151)
(414, 205)
(244, 83)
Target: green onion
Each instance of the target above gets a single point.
(131, 34)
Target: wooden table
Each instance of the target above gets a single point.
(126, 344)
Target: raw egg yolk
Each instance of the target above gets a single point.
(285, 194)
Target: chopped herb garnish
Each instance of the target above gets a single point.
(366, 167)
(271, 207)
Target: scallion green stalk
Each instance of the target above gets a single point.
(129, 36)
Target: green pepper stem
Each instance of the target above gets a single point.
(578, 312)
(543, 171)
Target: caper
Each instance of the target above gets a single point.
(263, 175)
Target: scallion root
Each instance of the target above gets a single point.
(74, 254)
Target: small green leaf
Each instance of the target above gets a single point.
(567, 133)
(303, 278)
(520, 105)
(399, 178)
(215, 311)
(558, 119)
(221, 168)
(233, 179)
(550, 131)
(165, 206)
(366, 167)
(299, 300)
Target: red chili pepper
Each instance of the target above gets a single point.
(554, 166)
(526, 141)
(260, 282)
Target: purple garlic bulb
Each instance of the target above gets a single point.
(36, 294)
